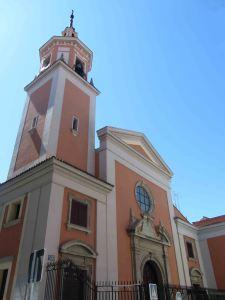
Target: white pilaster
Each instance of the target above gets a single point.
(53, 117)
(208, 276)
(91, 136)
(101, 242)
(176, 240)
(184, 260)
(53, 230)
(107, 172)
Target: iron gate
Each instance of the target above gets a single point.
(65, 281)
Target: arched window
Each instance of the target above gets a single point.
(143, 199)
(79, 68)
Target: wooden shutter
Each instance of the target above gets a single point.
(78, 215)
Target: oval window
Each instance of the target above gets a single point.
(143, 198)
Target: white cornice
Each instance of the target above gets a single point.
(186, 226)
(213, 230)
(82, 176)
(48, 167)
(67, 39)
(202, 233)
(38, 171)
(57, 64)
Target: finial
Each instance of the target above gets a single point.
(91, 82)
(71, 19)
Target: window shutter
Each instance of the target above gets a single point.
(78, 215)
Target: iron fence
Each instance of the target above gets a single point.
(123, 290)
(65, 281)
(193, 293)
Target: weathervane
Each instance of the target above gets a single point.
(71, 19)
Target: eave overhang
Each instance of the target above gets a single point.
(49, 166)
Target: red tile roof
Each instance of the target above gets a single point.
(209, 221)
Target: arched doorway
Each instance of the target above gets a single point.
(152, 274)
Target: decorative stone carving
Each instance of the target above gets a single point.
(145, 228)
(148, 242)
(196, 277)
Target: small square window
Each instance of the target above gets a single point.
(14, 212)
(75, 124)
(34, 123)
(190, 250)
(79, 213)
(3, 280)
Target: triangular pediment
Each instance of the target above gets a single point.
(140, 144)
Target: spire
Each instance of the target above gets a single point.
(71, 19)
(69, 31)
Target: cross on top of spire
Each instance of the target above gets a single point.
(71, 19)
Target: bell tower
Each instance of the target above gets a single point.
(59, 114)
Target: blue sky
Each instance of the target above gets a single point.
(160, 67)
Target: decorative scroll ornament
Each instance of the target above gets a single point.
(145, 228)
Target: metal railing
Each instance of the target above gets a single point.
(191, 293)
(65, 281)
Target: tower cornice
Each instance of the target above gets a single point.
(60, 63)
(67, 41)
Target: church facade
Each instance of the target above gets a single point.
(108, 209)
